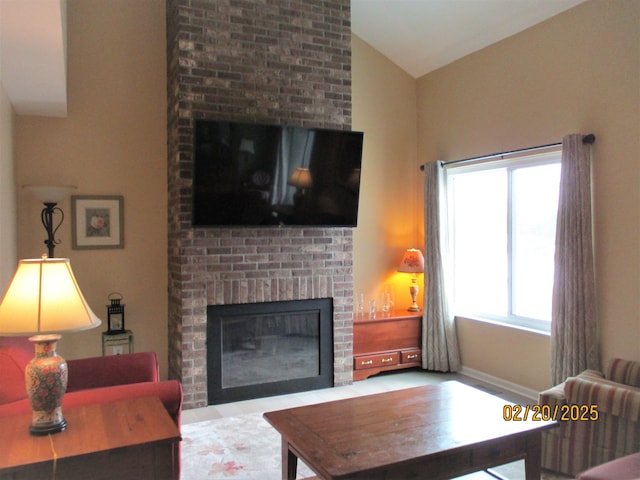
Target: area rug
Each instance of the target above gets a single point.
(243, 447)
(246, 447)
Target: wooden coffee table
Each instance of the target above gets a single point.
(129, 439)
(436, 431)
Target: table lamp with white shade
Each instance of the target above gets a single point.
(43, 300)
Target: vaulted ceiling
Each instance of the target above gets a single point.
(423, 35)
(417, 35)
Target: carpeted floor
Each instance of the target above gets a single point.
(246, 447)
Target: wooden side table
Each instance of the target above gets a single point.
(384, 344)
(128, 439)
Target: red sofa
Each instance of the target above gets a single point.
(625, 468)
(91, 380)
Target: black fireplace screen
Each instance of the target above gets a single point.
(262, 349)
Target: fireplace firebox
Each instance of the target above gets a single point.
(262, 349)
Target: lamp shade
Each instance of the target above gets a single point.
(301, 178)
(49, 193)
(354, 179)
(247, 145)
(412, 261)
(44, 297)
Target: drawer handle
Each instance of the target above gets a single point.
(412, 356)
(366, 362)
(387, 360)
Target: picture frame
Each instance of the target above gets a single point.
(97, 221)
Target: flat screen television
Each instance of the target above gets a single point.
(267, 175)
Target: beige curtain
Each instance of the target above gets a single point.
(574, 324)
(439, 339)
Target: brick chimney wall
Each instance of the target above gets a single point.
(282, 62)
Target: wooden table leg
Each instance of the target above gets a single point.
(289, 462)
(533, 460)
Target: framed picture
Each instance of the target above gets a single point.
(97, 221)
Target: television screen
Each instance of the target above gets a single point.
(268, 175)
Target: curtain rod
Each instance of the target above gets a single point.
(590, 138)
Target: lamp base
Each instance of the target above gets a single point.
(42, 429)
(46, 380)
(413, 290)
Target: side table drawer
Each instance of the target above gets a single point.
(379, 360)
(411, 356)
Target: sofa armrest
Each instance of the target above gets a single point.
(610, 397)
(553, 396)
(169, 392)
(624, 371)
(96, 372)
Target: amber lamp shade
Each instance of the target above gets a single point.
(301, 178)
(43, 300)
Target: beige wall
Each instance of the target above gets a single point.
(8, 224)
(384, 109)
(578, 72)
(113, 142)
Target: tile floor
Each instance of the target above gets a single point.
(376, 384)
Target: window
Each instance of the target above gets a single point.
(502, 222)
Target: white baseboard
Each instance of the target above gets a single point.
(500, 383)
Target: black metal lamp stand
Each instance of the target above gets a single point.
(50, 195)
(47, 220)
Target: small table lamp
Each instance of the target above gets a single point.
(413, 263)
(44, 299)
(301, 179)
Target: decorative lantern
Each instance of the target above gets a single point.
(115, 314)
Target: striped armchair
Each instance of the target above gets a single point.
(577, 445)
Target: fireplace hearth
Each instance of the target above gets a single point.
(270, 348)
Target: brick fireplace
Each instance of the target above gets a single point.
(265, 61)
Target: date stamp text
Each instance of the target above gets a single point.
(544, 413)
